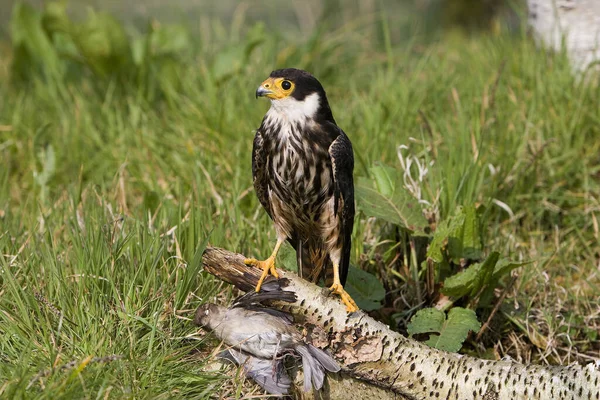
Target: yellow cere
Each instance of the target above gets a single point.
(280, 88)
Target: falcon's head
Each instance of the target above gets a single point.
(296, 95)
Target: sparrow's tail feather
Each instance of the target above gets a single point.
(313, 371)
(324, 359)
(269, 374)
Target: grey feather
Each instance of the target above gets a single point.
(271, 290)
(313, 371)
(324, 359)
(268, 374)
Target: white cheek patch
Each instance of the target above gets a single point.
(293, 111)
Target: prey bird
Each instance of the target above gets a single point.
(302, 165)
(270, 374)
(261, 336)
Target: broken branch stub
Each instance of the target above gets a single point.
(371, 351)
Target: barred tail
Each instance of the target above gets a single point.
(314, 263)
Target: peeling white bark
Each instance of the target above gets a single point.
(577, 22)
(371, 351)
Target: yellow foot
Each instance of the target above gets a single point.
(346, 299)
(267, 266)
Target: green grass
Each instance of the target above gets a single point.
(107, 197)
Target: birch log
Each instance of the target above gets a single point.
(577, 22)
(372, 352)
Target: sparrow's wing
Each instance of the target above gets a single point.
(269, 374)
(254, 298)
(272, 290)
(286, 317)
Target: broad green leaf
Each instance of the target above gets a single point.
(139, 51)
(504, 266)
(437, 247)
(455, 330)
(365, 288)
(457, 238)
(286, 258)
(400, 208)
(462, 283)
(234, 58)
(485, 273)
(471, 280)
(446, 334)
(385, 178)
(425, 321)
(254, 37)
(441, 241)
(471, 239)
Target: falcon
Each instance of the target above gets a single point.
(302, 165)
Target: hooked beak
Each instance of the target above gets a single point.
(262, 91)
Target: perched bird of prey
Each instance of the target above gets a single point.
(260, 336)
(302, 166)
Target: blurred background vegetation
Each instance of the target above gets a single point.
(432, 16)
(143, 42)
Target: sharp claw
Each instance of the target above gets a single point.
(274, 272)
(267, 266)
(346, 299)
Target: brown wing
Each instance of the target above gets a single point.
(342, 161)
(313, 259)
(259, 172)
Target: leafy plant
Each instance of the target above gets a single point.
(477, 279)
(446, 332)
(457, 238)
(453, 268)
(384, 197)
(364, 287)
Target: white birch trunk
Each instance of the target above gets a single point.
(576, 23)
(370, 351)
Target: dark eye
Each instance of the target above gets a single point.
(286, 85)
